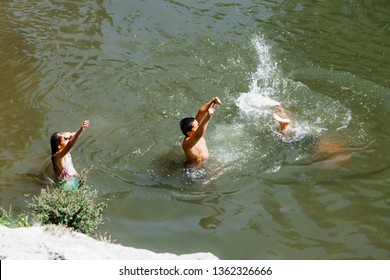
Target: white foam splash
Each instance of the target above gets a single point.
(253, 103)
(262, 88)
(269, 87)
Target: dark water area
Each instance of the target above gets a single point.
(135, 68)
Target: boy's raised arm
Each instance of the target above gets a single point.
(194, 138)
(203, 117)
(205, 108)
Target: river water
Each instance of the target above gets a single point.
(135, 68)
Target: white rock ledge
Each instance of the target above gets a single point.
(58, 243)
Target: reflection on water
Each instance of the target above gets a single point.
(208, 199)
(135, 68)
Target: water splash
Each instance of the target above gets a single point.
(266, 82)
(312, 113)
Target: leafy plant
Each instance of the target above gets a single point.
(6, 219)
(23, 220)
(78, 210)
(104, 237)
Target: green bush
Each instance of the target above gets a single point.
(6, 219)
(78, 210)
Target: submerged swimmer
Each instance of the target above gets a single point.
(61, 142)
(194, 128)
(283, 122)
(334, 153)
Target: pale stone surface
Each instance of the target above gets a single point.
(57, 243)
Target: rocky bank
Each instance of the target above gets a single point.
(58, 243)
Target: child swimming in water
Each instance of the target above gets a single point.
(283, 121)
(335, 153)
(61, 142)
(194, 145)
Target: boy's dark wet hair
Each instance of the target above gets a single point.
(186, 125)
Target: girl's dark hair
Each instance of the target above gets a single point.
(186, 125)
(54, 142)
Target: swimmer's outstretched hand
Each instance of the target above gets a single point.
(85, 124)
(216, 100)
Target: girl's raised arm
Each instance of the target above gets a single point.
(73, 139)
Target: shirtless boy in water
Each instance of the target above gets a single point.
(194, 145)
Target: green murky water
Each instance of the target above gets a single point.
(135, 68)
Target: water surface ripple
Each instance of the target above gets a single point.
(135, 68)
